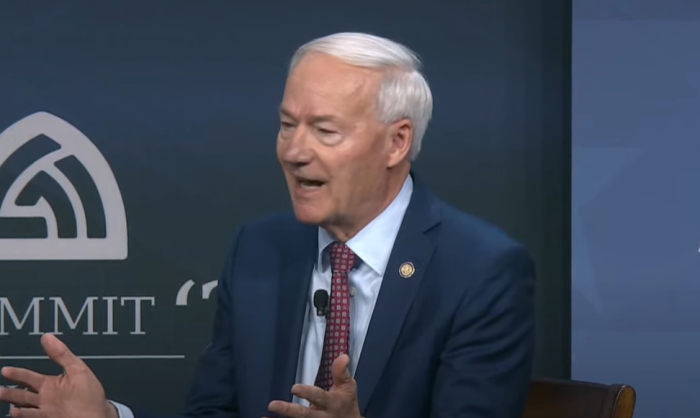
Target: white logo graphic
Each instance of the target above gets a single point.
(184, 292)
(72, 143)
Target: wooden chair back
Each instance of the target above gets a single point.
(552, 398)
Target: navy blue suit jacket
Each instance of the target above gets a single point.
(453, 340)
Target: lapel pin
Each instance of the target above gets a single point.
(407, 269)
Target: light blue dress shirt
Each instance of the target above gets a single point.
(373, 246)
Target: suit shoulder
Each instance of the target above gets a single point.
(468, 233)
(276, 227)
(275, 221)
(480, 251)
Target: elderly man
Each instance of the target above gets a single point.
(382, 300)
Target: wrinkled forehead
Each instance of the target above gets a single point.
(324, 84)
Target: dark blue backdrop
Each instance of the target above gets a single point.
(180, 97)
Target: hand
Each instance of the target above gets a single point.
(339, 402)
(74, 394)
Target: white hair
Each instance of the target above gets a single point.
(404, 92)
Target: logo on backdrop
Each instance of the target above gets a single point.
(81, 317)
(43, 160)
(183, 294)
(92, 315)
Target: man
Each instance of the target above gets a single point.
(431, 311)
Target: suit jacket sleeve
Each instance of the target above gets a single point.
(486, 366)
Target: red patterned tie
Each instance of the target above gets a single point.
(338, 322)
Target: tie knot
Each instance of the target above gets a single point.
(342, 258)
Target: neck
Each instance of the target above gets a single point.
(343, 232)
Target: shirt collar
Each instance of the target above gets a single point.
(373, 244)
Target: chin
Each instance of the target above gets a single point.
(307, 215)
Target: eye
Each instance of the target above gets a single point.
(287, 125)
(328, 136)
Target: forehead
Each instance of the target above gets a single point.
(323, 84)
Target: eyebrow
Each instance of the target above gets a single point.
(312, 119)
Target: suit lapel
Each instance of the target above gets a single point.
(414, 244)
(293, 290)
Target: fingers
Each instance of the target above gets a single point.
(340, 372)
(19, 397)
(59, 353)
(24, 377)
(27, 413)
(292, 410)
(314, 394)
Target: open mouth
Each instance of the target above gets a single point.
(309, 183)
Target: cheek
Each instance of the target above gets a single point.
(352, 187)
(356, 171)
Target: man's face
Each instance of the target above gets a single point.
(332, 147)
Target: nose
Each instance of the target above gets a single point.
(296, 149)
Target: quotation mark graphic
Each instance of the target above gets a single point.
(184, 292)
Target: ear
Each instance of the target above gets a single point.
(400, 135)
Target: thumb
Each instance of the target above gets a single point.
(59, 352)
(340, 372)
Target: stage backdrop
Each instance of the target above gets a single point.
(136, 135)
(636, 209)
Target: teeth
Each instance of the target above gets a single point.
(309, 185)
